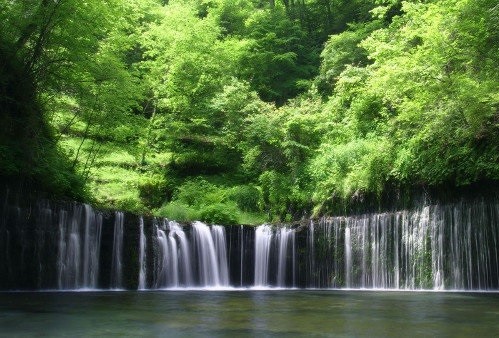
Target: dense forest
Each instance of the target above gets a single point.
(245, 111)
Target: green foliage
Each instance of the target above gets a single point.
(220, 213)
(153, 190)
(343, 50)
(420, 112)
(278, 64)
(247, 197)
(28, 153)
(202, 200)
(351, 169)
(231, 15)
(198, 192)
(227, 110)
(275, 191)
(178, 211)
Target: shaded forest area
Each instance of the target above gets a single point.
(246, 111)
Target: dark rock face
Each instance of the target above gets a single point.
(33, 256)
(27, 250)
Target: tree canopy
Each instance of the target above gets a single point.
(248, 110)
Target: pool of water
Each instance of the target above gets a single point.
(270, 313)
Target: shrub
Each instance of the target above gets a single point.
(199, 192)
(178, 211)
(221, 213)
(154, 190)
(246, 197)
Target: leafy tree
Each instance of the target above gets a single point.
(257, 105)
(419, 113)
(343, 50)
(278, 63)
(56, 48)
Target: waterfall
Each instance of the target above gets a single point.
(311, 269)
(241, 261)
(171, 255)
(433, 247)
(142, 256)
(78, 248)
(283, 240)
(117, 265)
(286, 236)
(208, 257)
(178, 256)
(93, 228)
(173, 267)
(293, 257)
(348, 258)
(263, 238)
(161, 258)
(69, 250)
(218, 234)
(185, 264)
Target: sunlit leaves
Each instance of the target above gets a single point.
(422, 112)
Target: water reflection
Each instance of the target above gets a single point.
(249, 313)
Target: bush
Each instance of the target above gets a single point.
(154, 190)
(129, 203)
(203, 159)
(246, 197)
(221, 213)
(178, 211)
(199, 192)
(276, 190)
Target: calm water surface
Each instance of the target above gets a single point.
(249, 313)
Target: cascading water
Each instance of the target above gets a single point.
(174, 265)
(166, 266)
(348, 258)
(263, 239)
(285, 237)
(91, 249)
(435, 247)
(241, 261)
(117, 262)
(311, 270)
(181, 264)
(278, 247)
(160, 258)
(78, 248)
(218, 234)
(142, 257)
(171, 256)
(211, 272)
(184, 265)
(65, 246)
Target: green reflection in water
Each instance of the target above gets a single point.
(249, 313)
